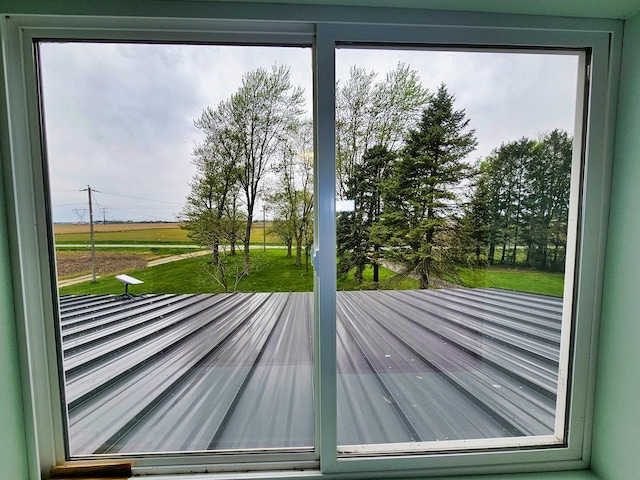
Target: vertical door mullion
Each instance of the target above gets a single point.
(325, 248)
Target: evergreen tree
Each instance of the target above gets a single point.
(422, 193)
(372, 118)
(357, 247)
(474, 231)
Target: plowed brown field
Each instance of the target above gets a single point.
(79, 263)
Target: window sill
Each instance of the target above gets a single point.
(560, 475)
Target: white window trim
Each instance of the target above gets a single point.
(590, 217)
(30, 235)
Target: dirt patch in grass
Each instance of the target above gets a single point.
(73, 264)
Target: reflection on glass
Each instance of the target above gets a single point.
(451, 263)
(181, 189)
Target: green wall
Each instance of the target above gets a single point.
(12, 439)
(616, 444)
(616, 436)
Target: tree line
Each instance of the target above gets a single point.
(402, 157)
(521, 202)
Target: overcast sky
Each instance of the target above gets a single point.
(120, 117)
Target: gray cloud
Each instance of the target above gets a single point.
(120, 117)
(505, 95)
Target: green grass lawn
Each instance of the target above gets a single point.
(388, 280)
(522, 280)
(174, 277)
(277, 273)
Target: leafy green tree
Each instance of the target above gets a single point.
(251, 127)
(292, 200)
(281, 226)
(354, 127)
(503, 174)
(524, 187)
(210, 213)
(372, 113)
(548, 204)
(511, 175)
(422, 194)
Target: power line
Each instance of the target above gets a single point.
(151, 217)
(140, 198)
(138, 207)
(67, 204)
(100, 207)
(94, 197)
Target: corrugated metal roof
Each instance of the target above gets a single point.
(164, 373)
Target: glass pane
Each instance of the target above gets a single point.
(453, 181)
(181, 190)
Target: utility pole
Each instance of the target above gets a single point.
(93, 244)
(264, 228)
